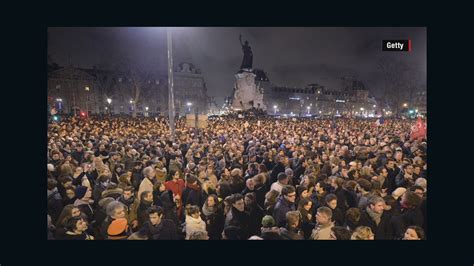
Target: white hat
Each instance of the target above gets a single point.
(420, 181)
(398, 192)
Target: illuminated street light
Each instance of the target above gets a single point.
(87, 100)
(375, 105)
(405, 105)
(362, 108)
(146, 108)
(109, 100)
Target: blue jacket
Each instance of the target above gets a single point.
(281, 208)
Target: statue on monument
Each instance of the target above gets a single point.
(248, 55)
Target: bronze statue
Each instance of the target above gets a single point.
(248, 56)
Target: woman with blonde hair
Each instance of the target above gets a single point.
(362, 233)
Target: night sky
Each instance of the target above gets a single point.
(290, 56)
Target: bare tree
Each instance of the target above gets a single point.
(137, 80)
(401, 82)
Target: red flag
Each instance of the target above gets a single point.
(418, 130)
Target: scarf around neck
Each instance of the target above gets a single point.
(206, 210)
(375, 216)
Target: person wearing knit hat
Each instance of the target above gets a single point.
(269, 230)
(80, 192)
(118, 229)
(268, 221)
(397, 193)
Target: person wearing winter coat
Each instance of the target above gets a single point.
(100, 186)
(405, 177)
(112, 191)
(304, 207)
(255, 211)
(77, 229)
(410, 214)
(84, 201)
(374, 217)
(129, 200)
(146, 201)
(332, 201)
(193, 221)
(192, 192)
(285, 203)
(237, 216)
(176, 184)
(322, 230)
(147, 182)
(292, 229)
(158, 228)
(269, 230)
(213, 215)
(55, 202)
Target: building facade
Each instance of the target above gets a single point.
(73, 90)
(314, 99)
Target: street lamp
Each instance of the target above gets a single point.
(189, 104)
(275, 108)
(308, 109)
(375, 105)
(405, 105)
(109, 101)
(146, 108)
(87, 100)
(362, 108)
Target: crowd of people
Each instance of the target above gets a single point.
(259, 178)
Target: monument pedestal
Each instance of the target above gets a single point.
(246, 93)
